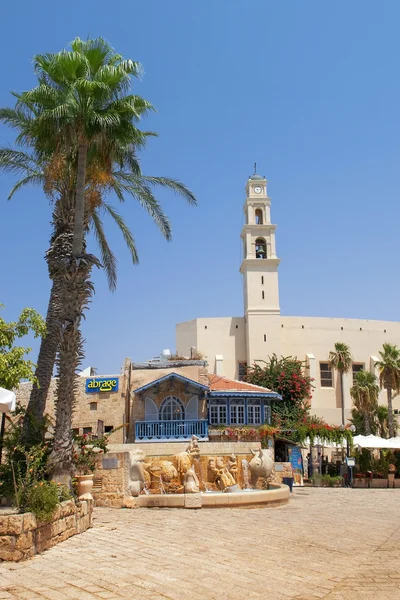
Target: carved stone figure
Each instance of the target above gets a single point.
(220, 463)
(233, 466)
(193, 448)
(139, 477)
(168, 471)
(211, 470)
(191, 482)
(183, 463)
(261, 465)
(224, 479)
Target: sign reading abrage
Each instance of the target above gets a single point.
(101, 384)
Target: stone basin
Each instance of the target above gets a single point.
(276, 495)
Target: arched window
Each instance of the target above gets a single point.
(259, 217)
(171, 409)
(261, 248)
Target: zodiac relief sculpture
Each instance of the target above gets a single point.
(185, 459)
(191, 482)
(219, 474)
(139, 477)
(233, 466)
(193, 449)
(261, 465)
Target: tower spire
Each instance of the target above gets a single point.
(255, 168)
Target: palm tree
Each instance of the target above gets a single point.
(53, 179)
(340, 359)
(389, 378)
(79, 110)
(365, 393)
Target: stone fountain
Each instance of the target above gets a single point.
(189, 479)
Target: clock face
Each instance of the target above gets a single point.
(257, 189)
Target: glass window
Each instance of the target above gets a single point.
(172, 409)
(87, 430)
(254, 414)
(218, 414)
(108, 428)
(356, 368)
(242, 370)
(326, 375)
(237, 414)
(267, 412)
(93, 406)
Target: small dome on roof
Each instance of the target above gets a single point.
(256, 177)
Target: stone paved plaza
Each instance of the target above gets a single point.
(333, 544)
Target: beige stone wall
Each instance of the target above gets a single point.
(112, 407)
(22, 536)
(308, 338)
(212, 337)
(110, 485)
(109, 407)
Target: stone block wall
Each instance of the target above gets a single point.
(22, 535)
(90, 408)
(111, 480)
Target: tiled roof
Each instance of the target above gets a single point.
(218, 383)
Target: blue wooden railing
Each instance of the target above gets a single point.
(161, 431)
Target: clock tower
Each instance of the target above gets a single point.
(260, 274)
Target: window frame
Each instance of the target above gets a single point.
(218, 406)
(321, 378)
(354, 372)
(254, 406)
(171, 402)
(237, 412)
(242, 365)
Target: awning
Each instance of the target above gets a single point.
(376, 442)
(7, 401)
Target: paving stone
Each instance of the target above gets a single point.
(335, 544)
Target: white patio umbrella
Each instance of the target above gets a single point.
(375, 442)
(7, 404)
(7, 401)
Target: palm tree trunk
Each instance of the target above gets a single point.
(34, 422)
(342, 395)
(367, 426)
(79, 212)
(77, 291)
(390, 412)
(58, 253)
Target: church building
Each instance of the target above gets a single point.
(230, 344)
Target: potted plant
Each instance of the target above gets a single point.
(85, 455)
(360, 480)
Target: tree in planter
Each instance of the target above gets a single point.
(80, 109)
(340, 359)
(389, 378)
(285, 376)
(365, 393)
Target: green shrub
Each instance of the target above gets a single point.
(42, 500)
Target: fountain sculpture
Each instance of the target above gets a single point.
(183, 476)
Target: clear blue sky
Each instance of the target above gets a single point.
(309, 90)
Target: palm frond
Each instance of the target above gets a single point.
(107, 256)
(126, 233)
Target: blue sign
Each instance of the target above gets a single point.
(297, 464)
(101, 384)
